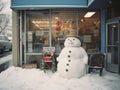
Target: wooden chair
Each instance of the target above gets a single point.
(96, 61)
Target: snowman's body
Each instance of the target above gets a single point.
(72, 59)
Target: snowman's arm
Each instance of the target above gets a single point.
(85, 56)
(58, 58)
(60, 55)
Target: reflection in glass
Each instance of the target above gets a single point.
(62, 22)
(112, 47)
(37, 31)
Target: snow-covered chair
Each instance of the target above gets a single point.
(96, 61)
(48, 61)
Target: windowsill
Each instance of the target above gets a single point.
(33, 53)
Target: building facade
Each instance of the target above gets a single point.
(46, 23)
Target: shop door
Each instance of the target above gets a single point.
(112, 47)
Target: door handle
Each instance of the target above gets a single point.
(112, 45)
(117, 43)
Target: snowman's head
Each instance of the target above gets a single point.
(72, 42)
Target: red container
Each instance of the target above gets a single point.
(47, 59)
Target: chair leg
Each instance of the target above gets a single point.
(101, 71)
(89, 70)
(53, 66)
(42, 65)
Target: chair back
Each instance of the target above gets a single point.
(97, 60)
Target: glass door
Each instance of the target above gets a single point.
(112, 47)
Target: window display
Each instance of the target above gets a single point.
(30, 40)
(61, 24)
(38, 32)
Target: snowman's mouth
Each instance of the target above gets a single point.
(70, 42)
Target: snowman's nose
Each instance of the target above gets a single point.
(70, 40)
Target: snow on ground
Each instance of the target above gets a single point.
(15, 78)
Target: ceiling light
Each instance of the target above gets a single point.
(89, 14)
(56, 18)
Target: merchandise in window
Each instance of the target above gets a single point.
(37, 32)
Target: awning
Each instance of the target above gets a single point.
(43, 4)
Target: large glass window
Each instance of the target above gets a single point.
(42, 30)
(50, 27)
(62, 22)
(89, 31)
(37, 34)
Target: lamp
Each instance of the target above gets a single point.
(89, 14)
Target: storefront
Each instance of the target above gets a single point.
(45, 24)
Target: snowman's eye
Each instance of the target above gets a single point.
(73, 39)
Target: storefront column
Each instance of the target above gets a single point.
(119, 48)
(103, 30)
(15, 38)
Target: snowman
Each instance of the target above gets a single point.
(73, 59)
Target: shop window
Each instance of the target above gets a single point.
(40, 35)
(89, 31)
(37, 31)
(61, 24)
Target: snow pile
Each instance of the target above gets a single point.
(15, 78)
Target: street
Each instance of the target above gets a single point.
(5, 60)
(5, 54)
